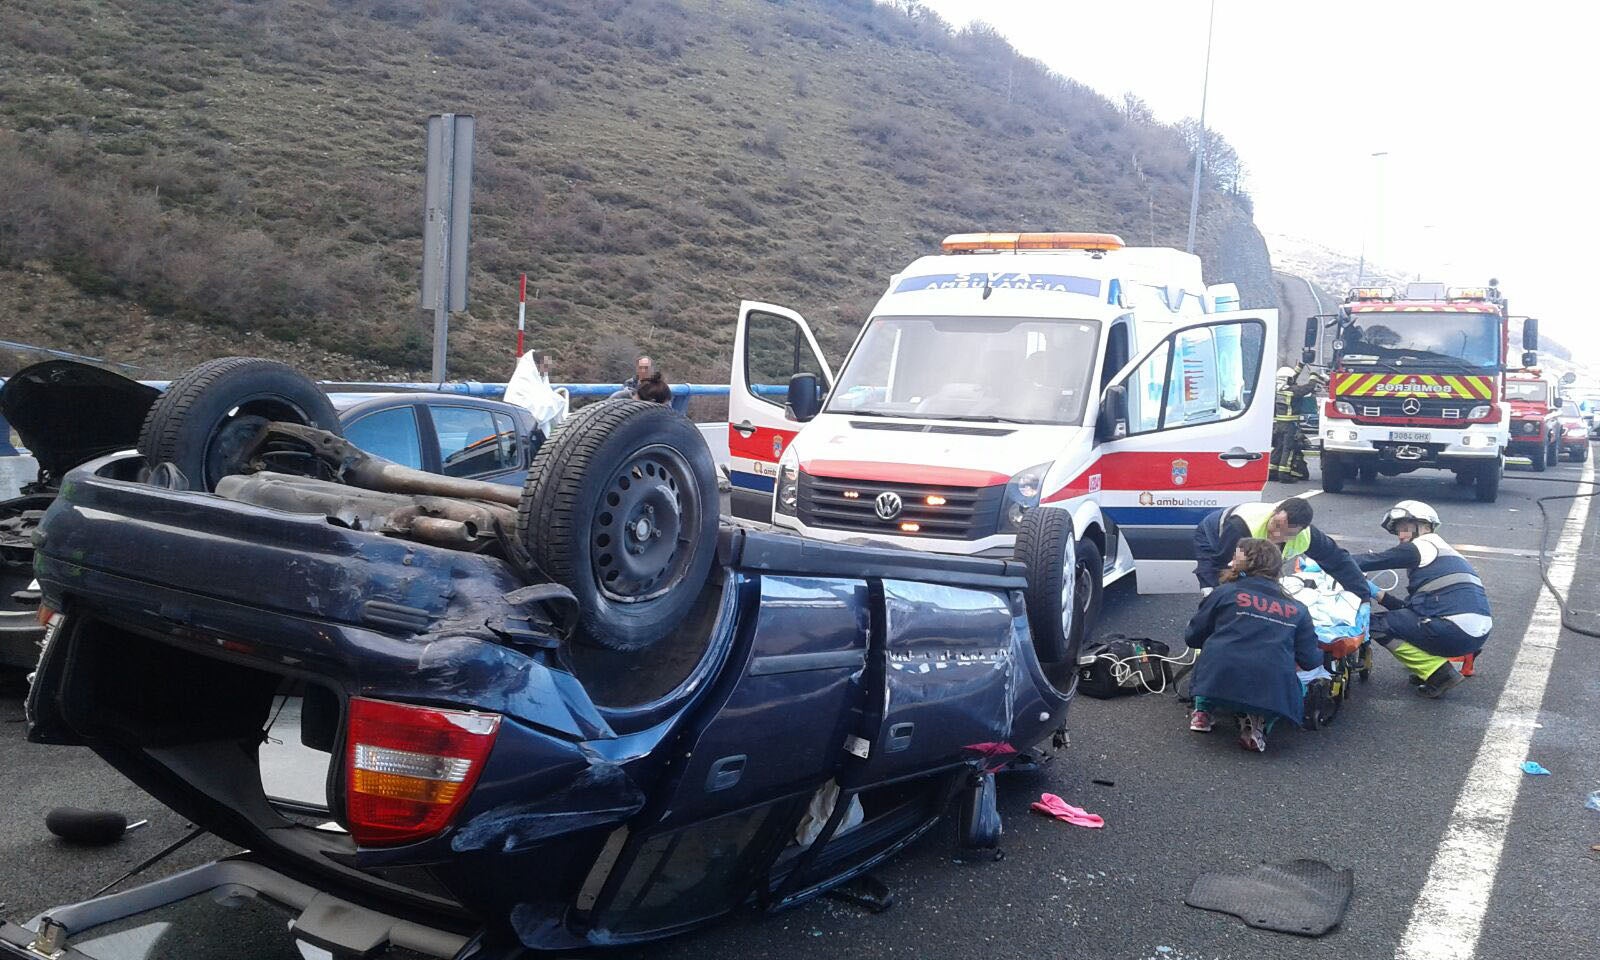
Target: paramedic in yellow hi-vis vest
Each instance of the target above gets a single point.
(1287, 524)
(1288, 445)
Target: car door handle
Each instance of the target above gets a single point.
(1231, 456)
(745, 428)
(899, 737)
(725, 773)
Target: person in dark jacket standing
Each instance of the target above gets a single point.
(1254, 638)
(1445, 612)
(1287, 525)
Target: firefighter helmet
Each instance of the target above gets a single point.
(1411, 510)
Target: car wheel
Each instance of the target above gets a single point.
(205, 425)
(1580, 454)
(621, 508)
(1334, 473)
(1488, 486)
(1065, 587)
(1540, 456)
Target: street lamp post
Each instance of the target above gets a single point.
(1200, 146)
(1361, 266)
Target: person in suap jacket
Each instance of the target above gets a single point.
(1287, 525)
(1254, 638)
(1445, 612)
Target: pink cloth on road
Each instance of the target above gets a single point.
(1053, 806)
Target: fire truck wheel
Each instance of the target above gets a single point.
(1368, 472)
(1064, 586)
(1488, 486)
(206, 423)
(1334, 473)
(620, 507)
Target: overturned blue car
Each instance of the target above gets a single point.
(587, 712)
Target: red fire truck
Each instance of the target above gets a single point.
(1417, 381)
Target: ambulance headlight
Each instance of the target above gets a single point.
(1022, 495)
(786, 491)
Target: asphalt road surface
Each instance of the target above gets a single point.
(1456, 852)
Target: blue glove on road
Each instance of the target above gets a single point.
(1376, 591)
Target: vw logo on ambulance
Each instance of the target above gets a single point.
(888, 505)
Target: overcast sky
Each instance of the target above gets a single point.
(1486, 111)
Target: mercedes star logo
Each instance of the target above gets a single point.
(888, 505)
(1412, 406)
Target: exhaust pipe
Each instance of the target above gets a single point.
(358, 468)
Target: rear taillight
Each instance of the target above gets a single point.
(408, 769)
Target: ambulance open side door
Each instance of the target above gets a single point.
(770, 346)
(1184, 430)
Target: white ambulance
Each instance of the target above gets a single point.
(1055, 397)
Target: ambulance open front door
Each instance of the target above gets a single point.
(1196, 437)
(770, 346)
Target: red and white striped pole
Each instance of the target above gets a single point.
(522, 311)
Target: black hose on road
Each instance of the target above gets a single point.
(1567, 622)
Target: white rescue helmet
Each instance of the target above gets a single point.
(1411, 510)
(1286, 373)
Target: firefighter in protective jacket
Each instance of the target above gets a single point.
(1288, 446)
(1445, 612)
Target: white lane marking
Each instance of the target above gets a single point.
(1470, 548)
(1448, 916)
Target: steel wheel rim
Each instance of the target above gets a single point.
(1069, 583)
(642, 534)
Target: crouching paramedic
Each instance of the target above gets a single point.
(1287, 525)
(1254, 638)
(1445, 612)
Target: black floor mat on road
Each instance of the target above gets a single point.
(1305, 897)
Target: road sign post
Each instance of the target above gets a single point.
(447, 214)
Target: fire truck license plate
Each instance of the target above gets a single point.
(1409, 436)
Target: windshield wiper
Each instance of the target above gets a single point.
(1428, 356)
(970, 418)
(1371, 361)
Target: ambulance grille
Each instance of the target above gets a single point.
(968, 513)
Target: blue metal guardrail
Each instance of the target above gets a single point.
(681, 392)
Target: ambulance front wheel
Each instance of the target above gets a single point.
(1064, 585)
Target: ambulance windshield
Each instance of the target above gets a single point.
(967, 368)
(1421, 340)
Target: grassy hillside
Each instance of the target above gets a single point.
(256, 165)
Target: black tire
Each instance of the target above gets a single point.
(1540, 457)
(1334, 473)
(1487, 488)
(621, 508)
(206, 416)
(1061, 612)
(1580, 454)
(1466, 478)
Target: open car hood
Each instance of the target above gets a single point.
(68, 412)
